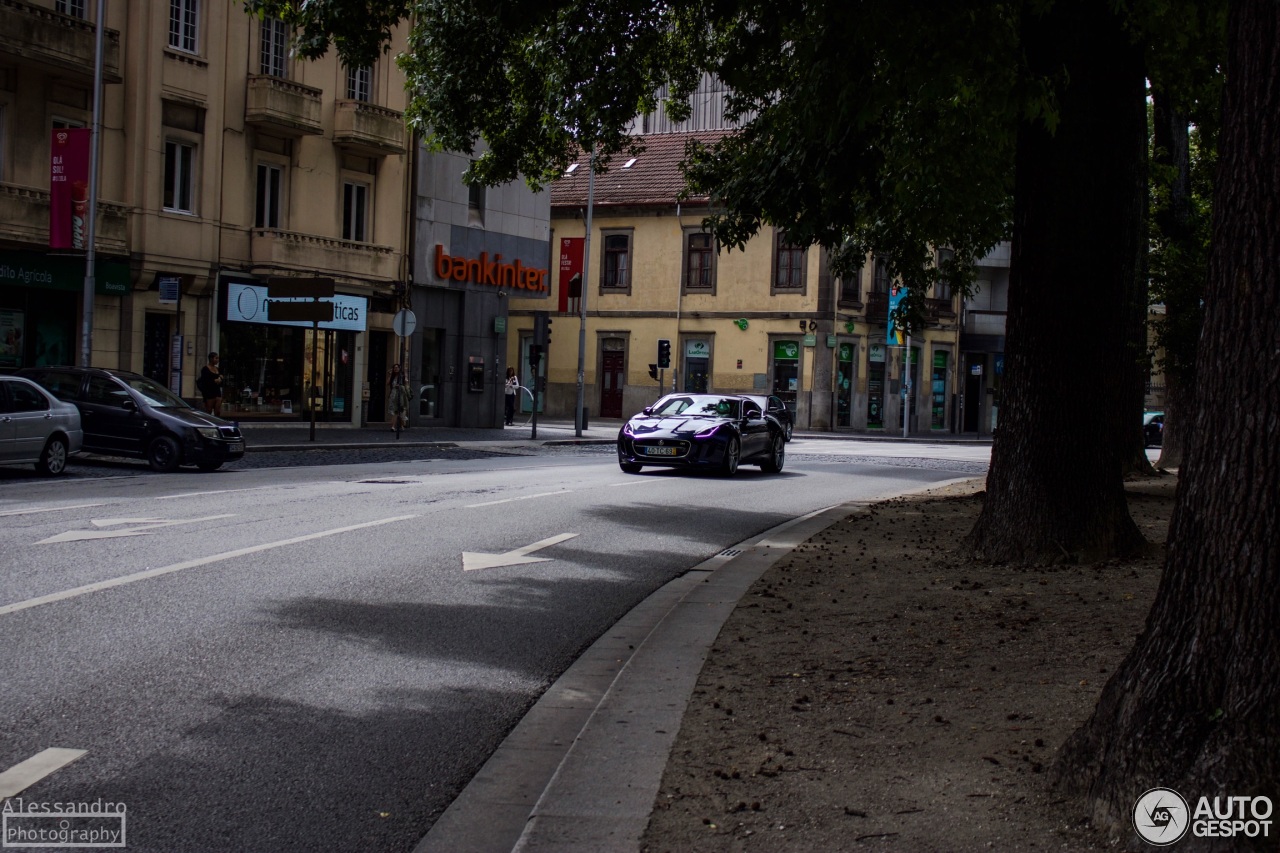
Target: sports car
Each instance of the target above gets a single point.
(702, 431)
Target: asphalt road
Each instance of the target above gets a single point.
(294, 658)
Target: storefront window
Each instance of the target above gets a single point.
(432, 358)
(844, 386)
(875, 386)
(938, 419)
(786, 372)
(269, 372)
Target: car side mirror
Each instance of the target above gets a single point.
(648, 410)
(128, 405)
(754, 416)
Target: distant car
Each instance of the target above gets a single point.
(36, 428)
(702, 431)
(773, 405)
(1153, 428)
(124, 414)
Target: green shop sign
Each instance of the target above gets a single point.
(786, 350)
(61, 272)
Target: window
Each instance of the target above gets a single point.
(942, 290)
(475, 203)
(355, 211)
(851, 287)
(880, 277)
(788, 266)
(617, 262)
(178, 160)
(359, 83)
(699, 264)
(4, 129)
(270, 181)
(183, 15)
(275, 48)
(24, 398)
(74, 8)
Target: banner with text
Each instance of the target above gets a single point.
(69, 187)
(570, 265)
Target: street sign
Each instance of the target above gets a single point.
(300, 288)
(307, 312)
(404, 323)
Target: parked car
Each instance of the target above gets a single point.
(36, 428)
(124, 414)
(1153, 428)
(702, 431)
(773, 405)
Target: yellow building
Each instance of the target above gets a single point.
(224, 162)
(770, 319)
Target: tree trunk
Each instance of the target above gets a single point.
(1196, 705)
(1055, 489)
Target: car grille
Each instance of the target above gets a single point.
(675, 449)
(229, 433)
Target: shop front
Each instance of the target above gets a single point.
(284, 370)
(41, 303)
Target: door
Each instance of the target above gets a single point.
(377, 377)
(108, 425)
(155, 348)
(611, 379)
(973, 393)
(7, 453)
(755, 429)
(32, 419)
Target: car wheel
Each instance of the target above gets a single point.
(777, 455)
(630, 467)
(53, 459)
(732, 451)
(164, 455)
(788, 427)
(208, 466)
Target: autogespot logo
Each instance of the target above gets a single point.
(1161, 817)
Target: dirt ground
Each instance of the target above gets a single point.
(876, 690)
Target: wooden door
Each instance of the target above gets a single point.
(612, 378)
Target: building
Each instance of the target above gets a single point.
(982, 344)
(770, 319)
(224, 163)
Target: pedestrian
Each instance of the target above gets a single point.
(398, 398)
(210, 385)
(512, 389)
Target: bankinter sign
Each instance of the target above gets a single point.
(493, 273)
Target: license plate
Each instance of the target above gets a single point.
(236, 447)
(660, 451)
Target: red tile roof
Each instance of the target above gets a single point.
(653, 179)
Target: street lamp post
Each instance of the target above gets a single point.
(582, 300)
(91, 227)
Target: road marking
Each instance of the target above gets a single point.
(148, 525)
(211, 492)
(648, 482)
(472, 561)
(46, 509)
(522, 498)
(21, 776)
(189, 564)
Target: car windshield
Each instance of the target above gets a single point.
(699, 406)
(153, 393)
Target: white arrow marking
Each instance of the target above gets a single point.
(472, 561)
(19, 777)
(151, 524)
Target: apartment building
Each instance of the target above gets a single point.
(225, 163)
(769, 319)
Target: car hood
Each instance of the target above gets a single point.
(192, 417)
(646, 426)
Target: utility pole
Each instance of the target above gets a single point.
(91, 227)
(582, 300)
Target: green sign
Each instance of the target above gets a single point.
(499, 325)
(846, 352)
(61, 272)
(786, 350)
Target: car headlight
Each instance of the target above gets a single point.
(627, 430)
(210, 433)
(708, 432)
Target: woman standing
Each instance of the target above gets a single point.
(398, 398)
(210, 385)
(512, 389)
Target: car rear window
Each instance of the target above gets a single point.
(63, 384)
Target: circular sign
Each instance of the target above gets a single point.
(1161, 816)
(404, 323)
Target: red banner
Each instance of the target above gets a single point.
(570, 265)
(69, 187)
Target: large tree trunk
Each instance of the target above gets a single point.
(1196, 705)
(1055, 489)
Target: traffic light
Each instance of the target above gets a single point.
(653, 372)
(546, 333)
(535, 355)
(664, 353)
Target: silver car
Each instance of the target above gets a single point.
(36, 428)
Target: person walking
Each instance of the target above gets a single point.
(210, 385)
(398, 398)
(512, 389)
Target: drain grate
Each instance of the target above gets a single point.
(390, 482)
(732, 552)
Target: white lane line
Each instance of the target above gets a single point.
(640, 482)
(46, 509)
(521, 498)
(189, 564)
(21, 776)
(211, 492)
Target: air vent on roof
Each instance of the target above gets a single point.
(570, 170)
(627, 165)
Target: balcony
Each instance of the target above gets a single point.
(289, 250)
(940, 310)
(282, 107)
(878, 307)
(24, 218)
(56, 42)
(367, 129)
